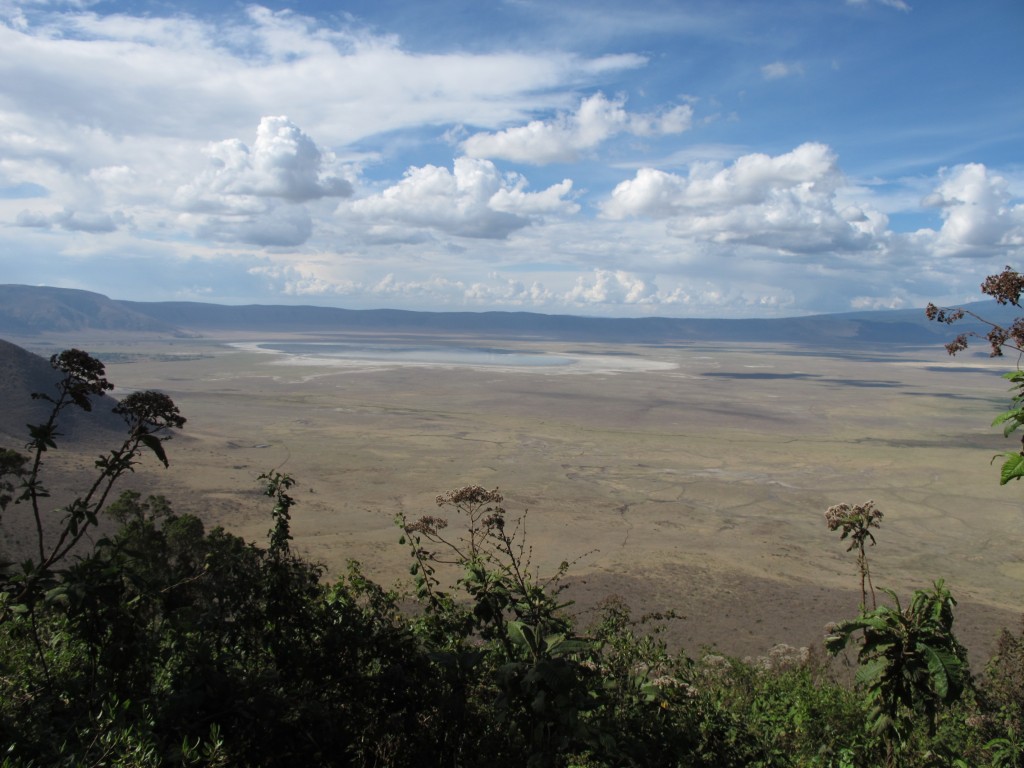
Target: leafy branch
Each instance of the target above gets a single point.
(149, 417)
(910, 661)
(1006, 288)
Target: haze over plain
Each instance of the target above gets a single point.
(681, 159)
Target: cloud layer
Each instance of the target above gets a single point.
(678, 162)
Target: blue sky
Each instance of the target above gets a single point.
(687, 158)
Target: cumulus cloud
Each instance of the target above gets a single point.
(93, 175)
(979, 216)
(787, 202)
(496, 290)
(283, 163)
(564, 138)
(612, 287)
(507, 291)
(472, 200)
(255, 195)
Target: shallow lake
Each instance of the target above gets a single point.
(424, 355)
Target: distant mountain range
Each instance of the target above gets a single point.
(29, 310)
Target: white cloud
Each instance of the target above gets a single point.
(255, 195)
(608, 287)
(508, 292)
(787, 202)
(899, 5)
(564, 138)
(779, 69)
(342, 83)
(283, 163)
(878, 302)
(126, 142)
(472, 200)
(274, 227)
(73, 221)
(979, 216)
(551, 200)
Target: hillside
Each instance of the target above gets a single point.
(29, 310)
(21, 374)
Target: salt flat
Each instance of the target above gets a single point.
(692, 476)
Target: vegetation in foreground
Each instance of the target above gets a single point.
(167, 644)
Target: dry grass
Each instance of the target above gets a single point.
(701, 487)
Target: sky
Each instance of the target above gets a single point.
(678, 158)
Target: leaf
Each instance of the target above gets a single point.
(944, 670)
(156, 446)
(568, 646)
(870, 672)
(1012, 469)
(523, 634)
(1011, 420)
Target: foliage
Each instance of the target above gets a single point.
(911, 663)
(1011, 420)
(149, 417)
(1005, 287)
(540, 692)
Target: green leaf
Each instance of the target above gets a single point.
(1012, 469)
(523, 634)
(944, 670)
(870, 672)
(574, 645)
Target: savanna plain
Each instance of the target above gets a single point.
(689, 477)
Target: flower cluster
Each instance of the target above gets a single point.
(1006, 287)
(428, 524)
(470, 495)
(855, 521)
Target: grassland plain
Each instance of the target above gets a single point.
(691, 477)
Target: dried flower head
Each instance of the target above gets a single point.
(428, 524)
(855, 521)
(943, 315)
(472, 495)
(1006, 287)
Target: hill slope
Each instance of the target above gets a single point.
(27, 310)
(21, 374)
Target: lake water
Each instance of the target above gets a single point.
(362, 354)
(411, 355)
